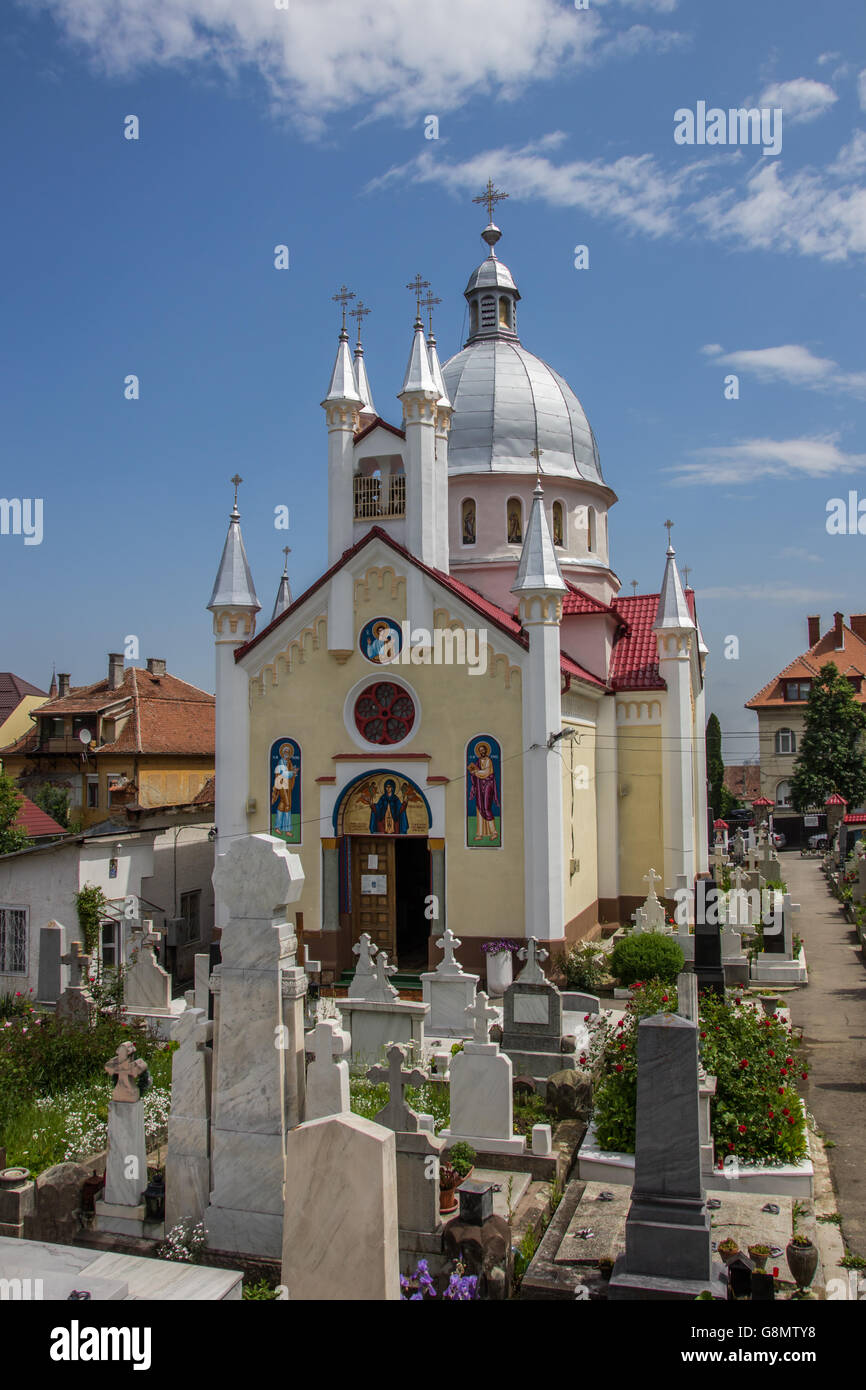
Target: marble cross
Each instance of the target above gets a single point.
(652, 878)
(77, 960)
(193, 1025)
(532, 953)
(397, 1114)
(447, 942)
(365, 951)
(329, 1041)
(738, 879)
(127, 1068)
(480, 1017)
(383, 970)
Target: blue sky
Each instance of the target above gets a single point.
(306, 127)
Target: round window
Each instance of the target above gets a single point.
(384, 713)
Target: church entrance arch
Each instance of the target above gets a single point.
(382, 822)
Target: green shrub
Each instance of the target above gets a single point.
(646, 956)
(462, 1157)
(581, 966)
(16, 1005)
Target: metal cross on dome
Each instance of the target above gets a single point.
(670, 526)
(342, 298)
(360, 312)
(236, 481)
(536, 453)
(491, 196)
(417, 285)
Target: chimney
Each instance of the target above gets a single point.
(840, 636)
(115, 670)
(62, 685)
(857, 624)
(156, 666)
(814, 629)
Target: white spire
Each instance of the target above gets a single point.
(418, 375)
(233, 586)
(436, 372)
(673, 610)
(343, 385)
(284, 592)
(362, 382)
(539, 567)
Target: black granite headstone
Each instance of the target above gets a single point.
(708, 938)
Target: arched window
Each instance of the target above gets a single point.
(558, 524)
(473, 316)
(514, 513)
(504, 312)
(786, 741)
(468, 521)
(783, 794)
(591, 530)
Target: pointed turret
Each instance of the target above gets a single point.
(426, 474)
(418, 378)
(673, 610)
(538, 571)
(52, 689)
(343, 388)
(342, 406)
(361, 379)
(284, 592)
(682, 725)
(233, 586)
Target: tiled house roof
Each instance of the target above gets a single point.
(38, 824)
(850, 660)
(12, 691)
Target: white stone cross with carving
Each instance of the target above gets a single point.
(77, 960)
(384, 988)
(652, 878)
(330, 1042)
(448, 965)
(397, 1114)
(738, 878)
(365, 950)
(532, 953)
(480, 1017)
(127, 1068)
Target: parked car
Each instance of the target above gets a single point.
(779, 840)
(818, 841)
(740, 819)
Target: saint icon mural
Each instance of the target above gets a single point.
(380, 641)
(483, 798)
(285, 798)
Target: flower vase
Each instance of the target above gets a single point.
(499, 972)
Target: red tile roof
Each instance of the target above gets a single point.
(834, 799)
(850, 660)
(207, 795)
(38, 824)
(166, 715)
(579, 601)
(376, 424)
(855, 818)
(635, 660)
(12, 692)
(489, 610)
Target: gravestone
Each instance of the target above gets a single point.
(374, 1013)
(258, 1089)
(653, 913)
(777, 964)
(201, 990)
(146, 986)
(708, 941)
(687, 995)
(532, 1033)
(667, 1251)
(187, 1164)
(50, 953)
(328, 1073)
(340, 1233)
(75, 1003)
(418, 1156)
(121, 1208)
(482, 1101)
(448, 990)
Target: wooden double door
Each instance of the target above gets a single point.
(374, 891)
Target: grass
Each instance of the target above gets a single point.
(830, 1218)
(367, 1098)
(74, 1124)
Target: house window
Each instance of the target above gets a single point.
(54, 728)
(855, 682)
(81, 722)
(558, 524)
(783, 794)
(190, 911)
(92, 792)
(116, 783)
(786, 741)
(797, 690)
(468, 521)
(108, 944)
(13, 940)
(514, 513)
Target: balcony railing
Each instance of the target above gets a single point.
(380, 497)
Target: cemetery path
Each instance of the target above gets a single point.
(832, 1014)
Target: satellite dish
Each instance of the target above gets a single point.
(86, 736)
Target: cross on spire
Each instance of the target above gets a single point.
(670, 526)
(360, 312)
(287, 550)
(536, 453)
(416, 286)
(430, 301)
(397, 1114)
(491, 196)
(686, 572)
(342, 297)
(634, 585)
(236, 480)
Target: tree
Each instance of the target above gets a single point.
(12, 836)
(54, 801)
(715, 765)
(831, 756)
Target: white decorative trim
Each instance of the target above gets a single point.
(639, 711)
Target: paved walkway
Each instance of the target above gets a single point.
(832, 1014)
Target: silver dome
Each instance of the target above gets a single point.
(508, 402)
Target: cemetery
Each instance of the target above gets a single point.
(261, 1139)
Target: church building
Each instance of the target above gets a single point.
(462, 722)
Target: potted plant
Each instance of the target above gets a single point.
(802, 1257)
(461, 1157)
(759, 1254)
(728, 1249)
(500, 963)
(769, 1002)
(449, 1181)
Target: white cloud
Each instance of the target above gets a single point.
(817, 457)
(394, 57)
(792, 364)
(851, 159)
(796, 552)
(825, 58)
(801, 99)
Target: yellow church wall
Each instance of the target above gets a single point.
(484, 885)
(641, 839)
(580, 838)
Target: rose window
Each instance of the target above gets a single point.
(384, 713)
